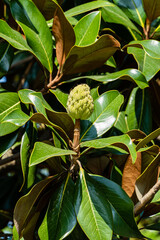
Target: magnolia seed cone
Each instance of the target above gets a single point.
(80, 102)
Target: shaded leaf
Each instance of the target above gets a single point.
(147, 65)
(86, 30)
(134, 10)
(133, 75)
(60, 217)
(6, 56)
(138, 111)
(43, 151)
(148, 138)
(82, 59)
(105, 142)
(35, 29)
(95, 219)
(121, 124)
(27, 143)
(130, 174)
(47, 7)
(152, 9)
(148, 178)
(24, 209)
(64, 35)
(105, 113)
(7, 141)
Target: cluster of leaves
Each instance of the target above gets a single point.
(46, 48)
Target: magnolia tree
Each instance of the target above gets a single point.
(79, 119)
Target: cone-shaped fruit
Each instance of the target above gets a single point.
(80, 102)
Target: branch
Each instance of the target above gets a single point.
(55, 81)
(9, 159)
(147, 198)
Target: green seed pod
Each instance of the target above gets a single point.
(80, 102)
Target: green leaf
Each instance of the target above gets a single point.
(8, 102)
(87, 7)
(13, 37)
(121, 124)
(6, 56)
(82, 59)
(151, 47)
(13, 121)
(138, 111)
(86, 30)
(27, 143)
(106, 142)
(122, 206)
(133, 9)
(64, 36)
(152, 9)
(145, 62)
(114, 14)
(60, 217)
(148, 138)
(133, 75)
(105, 113)
(43, 151)
(93, 212)
(35, 28)
(61, 96)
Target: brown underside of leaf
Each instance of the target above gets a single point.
(152, 9)
(130, 174)
(83, 59)
(64, 36)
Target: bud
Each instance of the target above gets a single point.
(80, 102)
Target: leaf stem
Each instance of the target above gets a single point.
(55, 82)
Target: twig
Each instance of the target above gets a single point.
(28, 59)
(9, 159)
(146, 199)
(55, 81)
(22, 81)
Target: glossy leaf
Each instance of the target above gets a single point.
(133, 9)
(61, 96)
(106, 142)
(147, 65)
(8, 102)
(151, 47)
(133, 75)
(82, 59)
(86, 30)
(43, 151)
(60, 217)
(148, 178)
(95, 189)
(64, 36)
(13, 121)
(35, 29)
(152, 9)
(148, 138)
(6, 56)
(114, 14)
(25, 209)
(121, 124)
(13, 37)
(105, 113)
(93, 212)
(138, 111)
(86, 7)
(27, 143)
